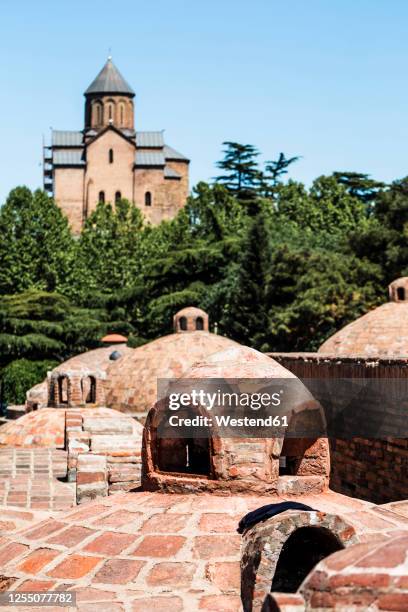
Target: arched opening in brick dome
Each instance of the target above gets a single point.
(183, 323)
(400, 294)
(277, 554)
(199, 323)
(301, 552)
(183, 455)
(63, 384)
(305, 456)
(88, 386)
(292, 454)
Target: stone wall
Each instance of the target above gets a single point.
(368, 468)
(104, 454)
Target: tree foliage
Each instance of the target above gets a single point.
(39, 325)
(276, 264)
(19, 376)
(36, 246)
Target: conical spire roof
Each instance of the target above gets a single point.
(109, 81)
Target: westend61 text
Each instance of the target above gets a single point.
(228, 421)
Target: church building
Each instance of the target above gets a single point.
(109, 159)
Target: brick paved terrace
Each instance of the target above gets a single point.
(29, 479)
(139, 551)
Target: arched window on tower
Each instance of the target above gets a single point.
(111, 156)
(118, 196)
(148, 198)
(122, 114)
(110, 112)
(401, 294)
(101, 197)
(98, 114)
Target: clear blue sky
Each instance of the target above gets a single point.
(325, 79)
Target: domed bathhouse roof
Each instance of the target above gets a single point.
(222, 462)
(132, 381)
(85, 364)
(382, 332)
(46, 428)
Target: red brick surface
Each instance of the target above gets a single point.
(75, 566)
(118, 571)
(176, 574)
(159, 546)
(142, 551)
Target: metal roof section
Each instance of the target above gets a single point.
(128, 132)
(170, 173)
(149, 158)
(64, 138)
(109, 81)
(150, 140)
(174, 155)
(68, 157)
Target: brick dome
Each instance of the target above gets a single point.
(368, 576)
(132, 381)
(382, 332)
(219, 463)
(97, 360)
(46, 428)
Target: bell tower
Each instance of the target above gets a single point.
(109, 101)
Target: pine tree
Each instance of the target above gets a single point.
(245, 313)
(37, 325)
(360, 186)
(242, 175)
(274, 171)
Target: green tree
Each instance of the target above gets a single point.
(109, 249)
(19, 376)
(244, 310)
(360, 186)
(37, 250)
(36, 325)
(327, 207)
(316, 287)
(241, 173)
(274, 171)
(191, 255)
(385, 239)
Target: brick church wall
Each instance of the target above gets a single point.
(370, 469)
(109, 177)
(69, 193)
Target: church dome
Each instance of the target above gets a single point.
(379, 333)
(132, 381)
(109, 81)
